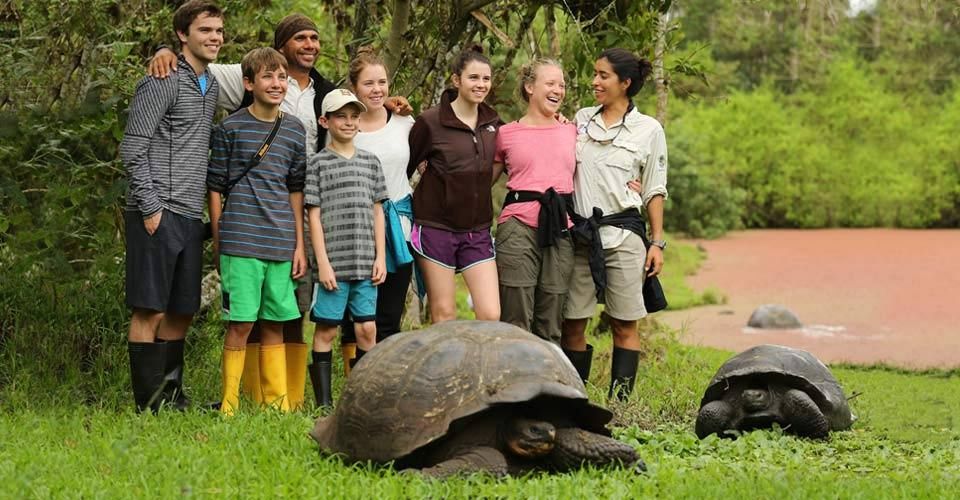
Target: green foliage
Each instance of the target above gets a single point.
(684, 260)
(815, 158)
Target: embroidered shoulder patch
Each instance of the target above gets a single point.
(662, 162)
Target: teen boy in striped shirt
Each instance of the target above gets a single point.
(258, 234)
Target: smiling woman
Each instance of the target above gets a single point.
(452, 205)
(534, 246)
(615, 144)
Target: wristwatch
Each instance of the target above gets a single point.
(659, 243)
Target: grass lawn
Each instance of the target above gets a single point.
(905, 443)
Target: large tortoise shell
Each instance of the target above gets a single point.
(794, 368)
(406, 392)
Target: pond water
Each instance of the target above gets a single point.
(864, 295)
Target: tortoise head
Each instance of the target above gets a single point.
(755, 399)
(528, 438)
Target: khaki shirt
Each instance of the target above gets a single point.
(609, 157)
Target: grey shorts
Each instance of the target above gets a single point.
(164, 269)
(624, 292)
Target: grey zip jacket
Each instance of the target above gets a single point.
(166, 144)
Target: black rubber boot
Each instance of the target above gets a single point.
(320, 377)
(356, 359)
(173, 371)
(623, 371)
(146, 373)
(581, 360)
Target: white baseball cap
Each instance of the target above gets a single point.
(338, 98)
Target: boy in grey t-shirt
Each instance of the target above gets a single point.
(344, 190)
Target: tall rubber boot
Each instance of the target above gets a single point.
(320, 378)
(581, 360)
(273, 376)
(623, 372)
(231, 371)
(296, 361)
(173, 371)
(353, 362)
(250, 379)
(146, 373)
(349, 352)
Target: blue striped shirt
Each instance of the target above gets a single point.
(258, 220)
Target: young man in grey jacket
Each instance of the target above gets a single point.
(165, 150)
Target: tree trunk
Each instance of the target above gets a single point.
(552, 36)
(525, 22)
(659, 73)
(398, 26)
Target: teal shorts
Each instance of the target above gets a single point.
(329, 305)
(255, 289)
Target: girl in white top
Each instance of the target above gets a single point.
(615, 144)
(385, 135)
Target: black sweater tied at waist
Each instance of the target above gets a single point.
(552, 221)
(587, 232)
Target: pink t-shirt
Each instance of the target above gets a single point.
(536, 158)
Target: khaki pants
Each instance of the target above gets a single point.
(533, 280)
(625, 275)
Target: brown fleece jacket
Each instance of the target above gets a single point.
(454, 192)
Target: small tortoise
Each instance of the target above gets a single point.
(772, 383)
(469, 396)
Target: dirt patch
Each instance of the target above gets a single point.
(864, 295)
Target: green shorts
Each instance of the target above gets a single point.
(257, 289)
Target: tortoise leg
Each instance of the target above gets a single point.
(576, 447)
(714, 418)
(803, 416)
(479, 459)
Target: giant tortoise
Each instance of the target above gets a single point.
(769, 384)
(469, 396)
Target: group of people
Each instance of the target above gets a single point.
(312, 210)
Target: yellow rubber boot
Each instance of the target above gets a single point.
(273, 376)
(296, 353)
(349, 351)
(231, 371)
(250, 381)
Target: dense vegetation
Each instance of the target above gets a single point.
(780, 114)
(816, 116)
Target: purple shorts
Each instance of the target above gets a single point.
(453, 250)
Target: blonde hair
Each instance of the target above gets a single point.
(528, 74)
(366, 56)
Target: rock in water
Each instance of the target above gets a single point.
(774, 316)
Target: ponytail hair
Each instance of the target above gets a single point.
(628, 66)
(366, 56)
(528, 74)
(474, 52)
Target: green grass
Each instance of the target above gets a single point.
(69, 429)
(682, 260)
(906, 443)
